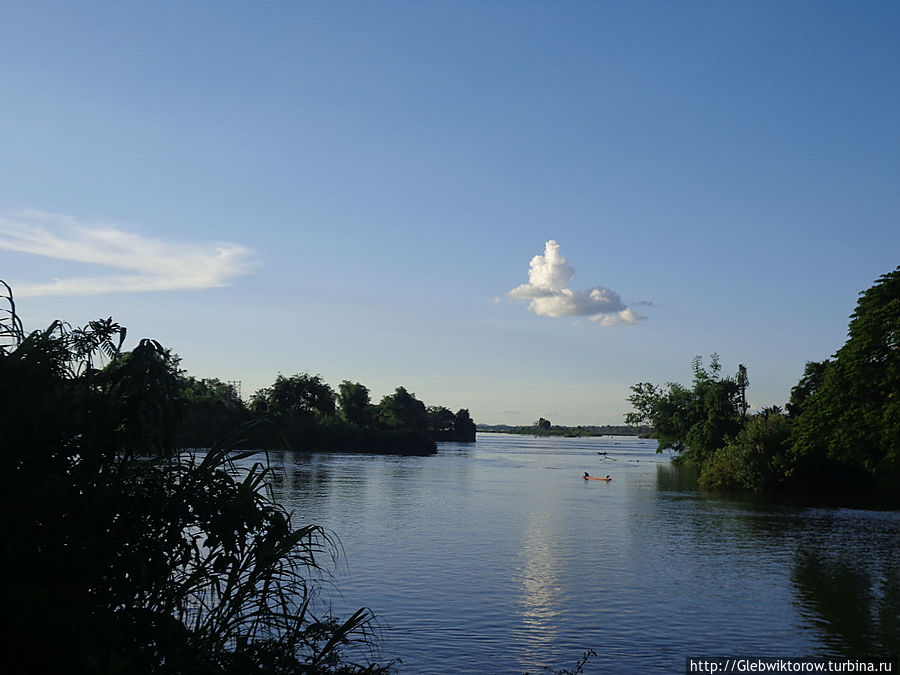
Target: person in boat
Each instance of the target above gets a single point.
(587, 475)
(607, 477)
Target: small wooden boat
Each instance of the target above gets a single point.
(606, 478)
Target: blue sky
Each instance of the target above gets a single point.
(356, 189)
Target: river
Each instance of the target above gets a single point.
(497, 557)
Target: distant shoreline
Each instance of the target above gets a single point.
(570, 432)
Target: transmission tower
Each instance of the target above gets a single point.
(236, 385)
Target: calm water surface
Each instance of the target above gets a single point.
(498, 557)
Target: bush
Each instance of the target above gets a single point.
(755, 459)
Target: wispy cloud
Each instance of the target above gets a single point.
(548, 293)
(143, 263)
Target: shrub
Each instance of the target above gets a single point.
(755, 459)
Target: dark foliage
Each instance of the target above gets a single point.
(464, 426)
(120, 554)
(302, 412)
(211, 408)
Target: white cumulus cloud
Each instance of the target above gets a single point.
(549, 295)
(140, 263)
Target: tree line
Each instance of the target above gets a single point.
(544, 427)
(304, 413)
(839, 432)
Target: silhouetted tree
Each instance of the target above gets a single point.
(464, 426)
(212, 409)
(120, 553)
(143, 391)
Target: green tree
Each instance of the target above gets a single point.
(693, 422)
(355, 403)
(851, 417)
(811, 380)
(756, 459)
(668, 410)
(718, 409)
(402, 411)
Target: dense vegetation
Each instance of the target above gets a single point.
(119, 553)
(840, 430)
(306, 414)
